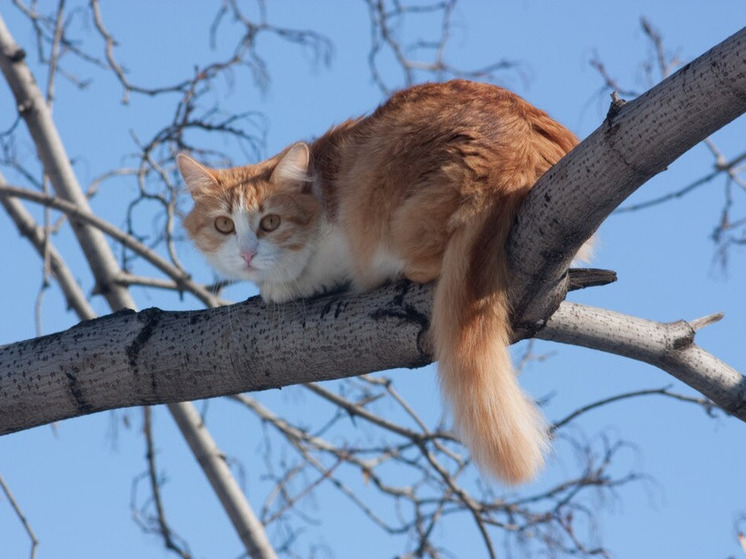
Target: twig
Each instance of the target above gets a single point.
(55, 53)
(22, 517)
(708, 405)
(85, 216)
(155, 490)
(388, 18)
(28, 228)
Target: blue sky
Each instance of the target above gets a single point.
(75, 481)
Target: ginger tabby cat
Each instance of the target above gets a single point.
(426, 188)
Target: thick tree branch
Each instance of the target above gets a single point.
(156, 356)
(636, 141)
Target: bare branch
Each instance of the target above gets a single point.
(699, 323)
(681, 192)
(669, 346)
(212, 461)
(33, 108)
(36, 235)
(666, 64)
(245, 52)
(22, 517)
(239, 513)
(729, 231)
(162, 527)
(182, 279)
(324, 338)
(626, 396)
(387, 18)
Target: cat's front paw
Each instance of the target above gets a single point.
(275, 293)
(284, 292)
(281, 292)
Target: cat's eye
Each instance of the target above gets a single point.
(269, 223)
(225, 225)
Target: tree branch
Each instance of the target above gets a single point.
(635, 142)
(212, 461)
(21, 517)
(28, 228)
(668, 346)
(74, 212)
(203, 446)
(33, 108)
(157, 356)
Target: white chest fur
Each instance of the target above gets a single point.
(327, 266)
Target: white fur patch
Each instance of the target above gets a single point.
(325, 265)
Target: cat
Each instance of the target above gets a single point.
(426, 188)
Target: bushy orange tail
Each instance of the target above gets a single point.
(471, 330)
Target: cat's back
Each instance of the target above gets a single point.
(458, 128)
(446, 100)
(484, 111)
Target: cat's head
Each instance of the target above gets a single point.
(257, 222)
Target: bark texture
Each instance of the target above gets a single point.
(638, 140)
(156, 356)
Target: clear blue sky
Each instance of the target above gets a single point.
(74, 482)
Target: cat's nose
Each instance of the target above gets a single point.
(248, 256)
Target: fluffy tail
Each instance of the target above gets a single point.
(471, 330)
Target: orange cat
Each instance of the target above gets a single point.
(427, 187)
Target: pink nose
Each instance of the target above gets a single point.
(248, 256)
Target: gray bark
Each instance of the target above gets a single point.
(637, 140)
(155, 356)
(668, 346)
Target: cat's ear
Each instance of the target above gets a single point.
(293, 165)
(197, 177)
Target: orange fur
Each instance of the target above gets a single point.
(427, 187)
